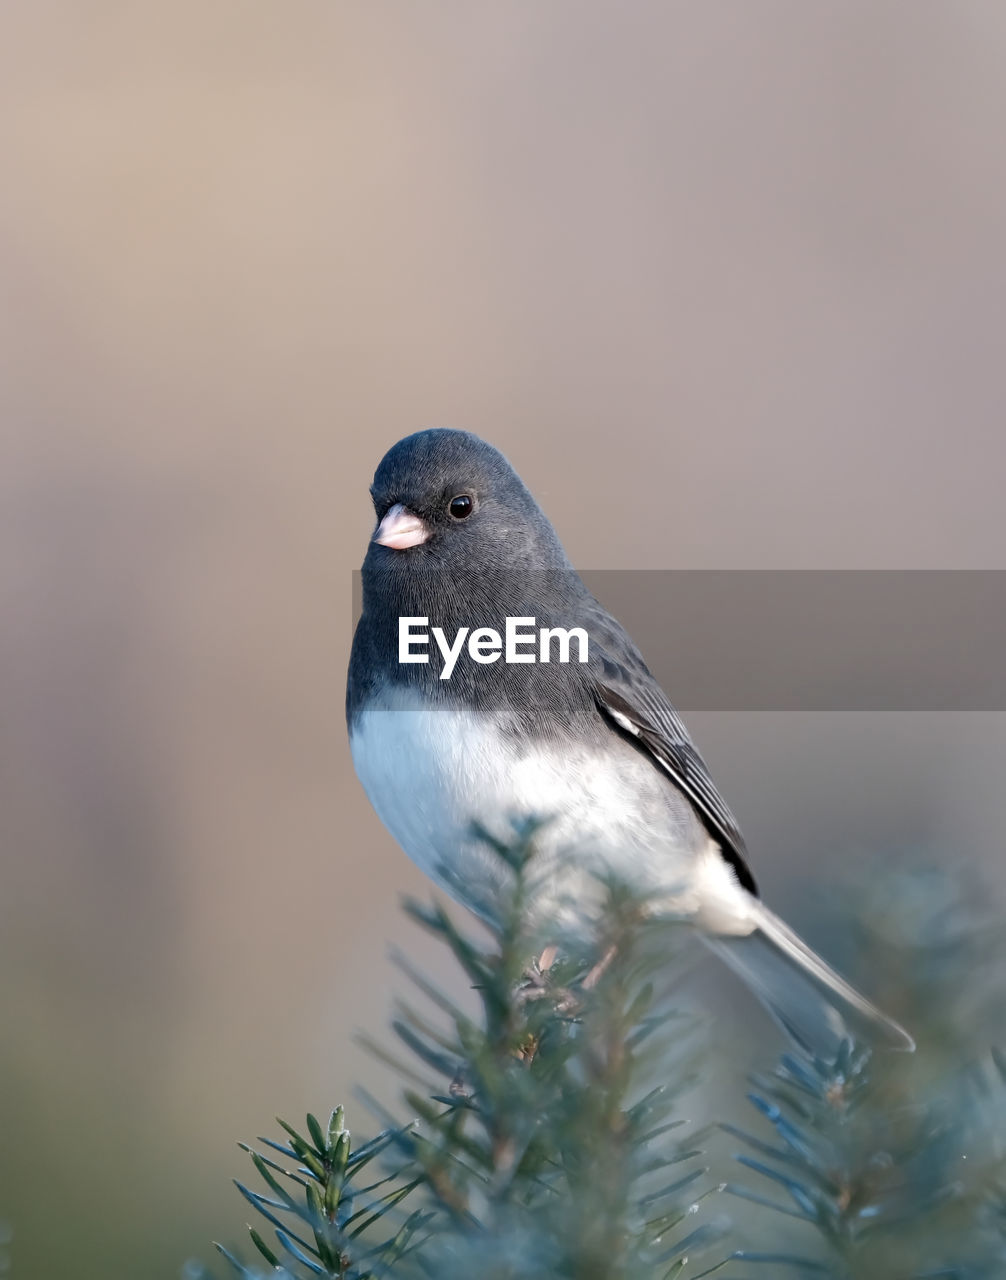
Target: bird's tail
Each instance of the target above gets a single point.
(809, 1000)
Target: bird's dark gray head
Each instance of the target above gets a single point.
(460, 546)
(445, 501)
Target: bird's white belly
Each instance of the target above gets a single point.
(432, 774)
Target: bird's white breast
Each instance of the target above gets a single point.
(431, 773)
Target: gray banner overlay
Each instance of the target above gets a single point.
(814, 640)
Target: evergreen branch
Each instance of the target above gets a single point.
(546, 1144)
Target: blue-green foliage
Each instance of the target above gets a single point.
(894, 1167)
(545, 1142)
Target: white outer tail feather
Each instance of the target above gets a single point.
(809, 1000)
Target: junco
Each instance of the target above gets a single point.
(486, 684)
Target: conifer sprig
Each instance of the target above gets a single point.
(547, 1127)
(325, 1207)
(542, 1139)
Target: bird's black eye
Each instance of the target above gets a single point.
(461, 507)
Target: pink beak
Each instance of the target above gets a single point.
(401, 529)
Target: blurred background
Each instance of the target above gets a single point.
(726, 282)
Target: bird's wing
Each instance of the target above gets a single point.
(633, 702)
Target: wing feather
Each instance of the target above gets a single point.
(632, 701)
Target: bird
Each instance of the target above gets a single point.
(456, 739)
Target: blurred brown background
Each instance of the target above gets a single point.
(726, 281)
